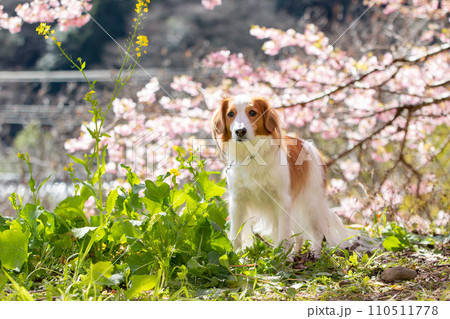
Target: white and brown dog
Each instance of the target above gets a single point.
(276, 183)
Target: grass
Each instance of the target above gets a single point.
(186, 256)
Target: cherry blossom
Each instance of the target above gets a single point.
(211, 4)
(147, 94)
(66, 13)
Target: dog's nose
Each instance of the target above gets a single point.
(241, 132)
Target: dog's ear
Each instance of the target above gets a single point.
(270, 117)
(218, 126)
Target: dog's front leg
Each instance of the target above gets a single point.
(238, 216)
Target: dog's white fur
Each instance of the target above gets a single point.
(261, 197)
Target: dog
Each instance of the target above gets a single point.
(276, 183)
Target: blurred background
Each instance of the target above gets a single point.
(41, 97)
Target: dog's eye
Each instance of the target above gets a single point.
(230, 114)
(252, 113)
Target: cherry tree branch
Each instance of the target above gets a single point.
(399, 109)
(398, 61)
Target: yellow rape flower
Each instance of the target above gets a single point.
(141, 6)
(142, 40)
(174, 172)
(69, 167)
(43, 29)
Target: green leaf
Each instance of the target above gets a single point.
(210, 188)
(77, 160)
(81, 232)
(178, 198)
(156, 193)
(194, 266)
(140, 283)
(42, 184)
(151, 206)
(218, 213)
(3, 224)
(69, 214)
(30, 213)
(221, 244)
(32, 184)
(14, 247)
(91, 132)
(111, 201)
(71, 208)
(224, 261)
(132, 178)
(392, 243)
(99, 273)
(364, 259)
(124, 228)
(87, 191)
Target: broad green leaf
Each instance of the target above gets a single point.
(218, 213)
(111, 201)
(99, 233)
(195, 204)
(13, 247)
(392, 243)
(30, 213)
(99, 273)
(194, 266)
(156, 193)
(203, 233)
(140, 283)
(178, 198)
(139, 263)
(71, 208)
(210, 188)
(124, 228)
(151, 206)
(221, 244)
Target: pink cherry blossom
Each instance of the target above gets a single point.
(185, 83)
(147, 94)
(211, 4)
(350, 169)
(12, 24)
(66, 13)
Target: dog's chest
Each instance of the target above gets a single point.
(256, 181)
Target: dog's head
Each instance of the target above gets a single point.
(242, 118)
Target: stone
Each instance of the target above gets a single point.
(398, 273)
